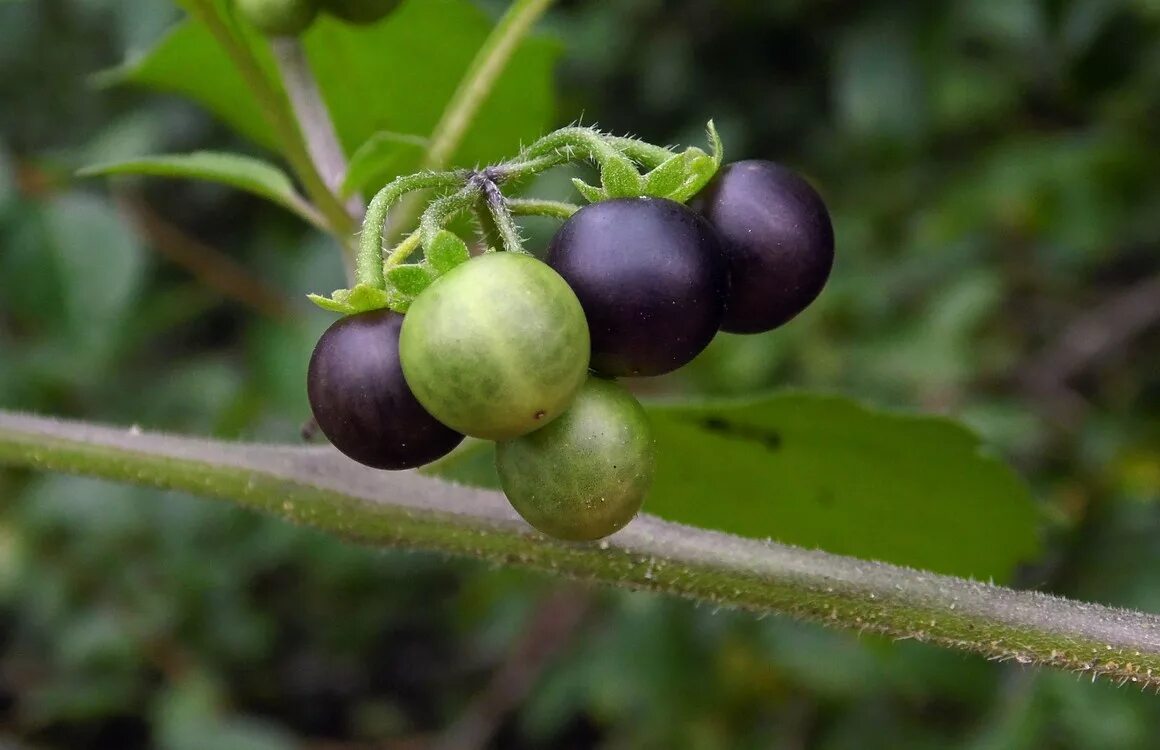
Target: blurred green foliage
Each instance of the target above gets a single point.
(992, 168)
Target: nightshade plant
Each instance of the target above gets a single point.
(726, 478)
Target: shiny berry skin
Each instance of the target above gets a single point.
(360, 12)
(651, 277)
(279, 17)
(585, 475)
(361, 401)
(778, 239)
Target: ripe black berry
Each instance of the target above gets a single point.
(361, 401)
(778, 240)
(651, 278)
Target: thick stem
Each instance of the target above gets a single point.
(276, 110)
(320, 488)
(313, 118)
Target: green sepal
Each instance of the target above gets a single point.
(682, 176)
(447, 251)
(620, 178)
(672, 175)
(362, 298)
(409, 280)
(591, 193)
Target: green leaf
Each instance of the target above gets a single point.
(373, 78)
(447, 251)
(100, 264)
(243, 172)
(383, 155)
(410, 279)
(826, 472)
(362, 298)
(330, 304)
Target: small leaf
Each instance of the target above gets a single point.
(410, 279)
(362, 298)
(591, 194)
(380, 157)
(330, 304)
(365, 298)
(826, 472)
(701, 168)
(447, 251)
(243, 172)
(620, 178)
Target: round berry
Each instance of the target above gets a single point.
(651, 278)
(777, 237)
(361, 12)
(362, 402)
(497, 347)
(279, 17)
(585, 475)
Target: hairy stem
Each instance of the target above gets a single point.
(640, 151)
(477, 83)
(496, 218)
(320, 488)
(537, 207)
(370, 247)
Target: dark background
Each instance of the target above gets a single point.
(992, 167)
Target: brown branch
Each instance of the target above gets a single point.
(1091, 337)
(549, 629)
(208, 265)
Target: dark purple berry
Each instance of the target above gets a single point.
(651, 278)
(361, 401)
(778, 239)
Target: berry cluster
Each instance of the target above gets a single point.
(523, 352)
(292, 17)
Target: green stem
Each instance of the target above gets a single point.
(640, 151)
(399, 253)
(442, 210)
(574, 143)
(320, 488)
(480, 78)
(276, 109)
(369, 263)
(536, 207)
(477, 83)
(497, 221)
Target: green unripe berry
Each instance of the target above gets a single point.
(585, 475)
(497, 347)
(279, 17)
(360, 12)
